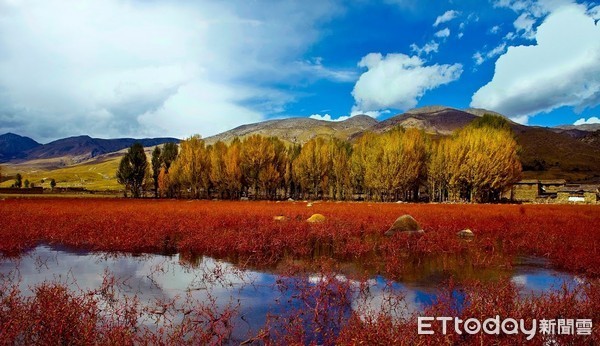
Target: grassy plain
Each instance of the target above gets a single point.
(247, 234)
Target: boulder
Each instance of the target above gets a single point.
(465, 233)
(279, 218)
(404, 223)
(309, 205)
(244, 199)
(290, 199)
(316, 218)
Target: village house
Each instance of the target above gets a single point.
(553, 191)
(573, 193)
(526, 190)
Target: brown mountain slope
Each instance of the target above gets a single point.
(299, 130)
(549, 155)
(584, 127)
(434, 120)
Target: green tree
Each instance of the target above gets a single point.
(52, 184)
(168, 154)
(156, 165)
(18, 180)
(133, 169)
(26, 183)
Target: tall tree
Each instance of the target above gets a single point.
(341, 152)
(218, 155)
(358, 163)
(133, 169)
(18, 180)
(312, 167)
(291, 184)
(168, 154)
(156, 165)
(257, 154)
(192, 167)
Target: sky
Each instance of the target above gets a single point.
(149, 68)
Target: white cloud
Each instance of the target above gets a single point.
(147, 68)
(443, 33)
(480, 57)
(594, 12)
(327, 117)
(460, 35)
(584, 121)
(529, 12)
(521, 119)
(495, 29)
(315, 68)
(372, 114)
(524, 25)
(398, 81)
(430, 47)
(446, 17)
(561, 70)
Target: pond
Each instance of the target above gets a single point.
(176, 281)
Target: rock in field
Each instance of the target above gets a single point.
(279, 218)
(465, 233)
(316, 218)
(404, 223)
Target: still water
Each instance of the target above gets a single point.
(157, 280)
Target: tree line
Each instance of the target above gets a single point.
(476, 163)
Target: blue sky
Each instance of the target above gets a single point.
(155, 68)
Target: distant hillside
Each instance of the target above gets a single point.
(434, 120)
(81, 148)
(13, 146)
(584, 127)
(299, 130)
(550, 155)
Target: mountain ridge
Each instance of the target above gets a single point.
(76, 148)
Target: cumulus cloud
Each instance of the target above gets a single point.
(398, 81)
(372, 114)
(446, 17)
(584, 121)
(430, 47)
(327, 117)
(530, 11)
(443, 33)
(145, 68)
(560, 70)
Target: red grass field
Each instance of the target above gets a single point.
(245, 233)
(566, 234)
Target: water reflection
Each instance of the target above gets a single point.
(157, 279)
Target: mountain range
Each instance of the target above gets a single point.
(15, 148)
(568, 152)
